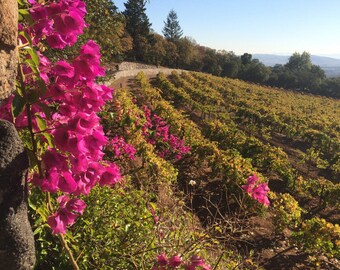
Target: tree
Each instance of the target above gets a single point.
(172, 30)
(107, 28)
(255, 71)
(246, 58)
(138, 27)
(299, 61)
(231, 64)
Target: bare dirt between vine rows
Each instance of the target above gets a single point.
(270, 252)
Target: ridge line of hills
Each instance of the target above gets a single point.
(330, 65)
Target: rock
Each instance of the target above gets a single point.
(17, 251)
(8, 43)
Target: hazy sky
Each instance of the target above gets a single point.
(255, 26)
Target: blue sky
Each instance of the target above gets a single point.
(255, 26)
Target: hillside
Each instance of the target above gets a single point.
(143, 165)
(217, 174)
(331, 66)
(234, 130)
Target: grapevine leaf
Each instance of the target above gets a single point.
(153, 205)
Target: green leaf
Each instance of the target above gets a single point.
(46, 109)
(31, 204)
(33, 96)
(41, 122)
(153, 205)
(43, 212)
(33, 66)
(25, 15)
(49, 139)
(19, 88)
(18, 106)
(26, 36)
(23, 12)
(33, 55)
(32, 158)
(42, 87)
(22, 3)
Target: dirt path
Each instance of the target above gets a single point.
(121, 78)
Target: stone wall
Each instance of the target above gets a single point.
(131, 66)
(148, 72)
(8, 42)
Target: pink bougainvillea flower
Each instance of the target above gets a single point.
(54, 159)
(162, 260)
(257, 192)
(63, 69)
(90, 52)
(196, 261)
(110, 176)
(43, 28)
(69, 24)
(61, 138)
(50, 182)
(56, 41)
(252, 179)
(57, 224)
(79, 163)
(96, 141)
(76, 205)
(87, 64)
(66, 182)
(175, 261)
(69, 210)
(83, 123)
(77, 145)
(120, 147)
(260, 194)
(106, 92)
(38, 12)
(248, 188)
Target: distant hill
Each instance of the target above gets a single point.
(331, 66)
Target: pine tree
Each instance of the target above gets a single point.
(138, 27)
(172, 30)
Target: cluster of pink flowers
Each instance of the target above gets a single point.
(65, 115)
(156, 131)
(257, 191)
(59, 22)
(76, 165)
(120, 148)
(69, 210)
(163, 263)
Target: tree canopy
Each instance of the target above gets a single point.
(138, 27)
(172, 30)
